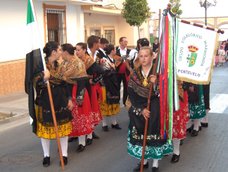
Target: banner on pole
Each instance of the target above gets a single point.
(195, 53)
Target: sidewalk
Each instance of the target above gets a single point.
(13, 106)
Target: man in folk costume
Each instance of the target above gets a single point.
(95, 72)
(110, 105)
(93, 47)
(138, 90)
(62, 104)
(93, 43)
(122, 53)
(74, 72)
(101, 52)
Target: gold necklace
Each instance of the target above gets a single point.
(145, 80)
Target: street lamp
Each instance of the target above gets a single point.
(205, 4)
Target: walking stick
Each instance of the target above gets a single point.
(145, 130)
(146, 120)
(55, 125)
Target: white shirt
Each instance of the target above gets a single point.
(90, 53)
(123, 52)
(133, 54)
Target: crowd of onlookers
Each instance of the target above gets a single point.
(222, 53)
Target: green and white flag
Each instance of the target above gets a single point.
(195, 53)
(34, 59)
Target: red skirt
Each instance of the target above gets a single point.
(81, 122)
(180, 119)
(96, 97)
(123, 70)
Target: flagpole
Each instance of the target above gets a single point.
(51, 100)
(55, 124)
(146, 120)
(203, 26)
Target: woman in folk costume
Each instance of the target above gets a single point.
(110, 106)
(62, 104)
(138, 90)
(74, 72)
(95, 71)
(206, 95)
(196, 106)
(180, 119)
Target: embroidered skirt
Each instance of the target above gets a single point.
(108, 109)
(180, 119)
(47, 131)
(197, 110)
(81, 122)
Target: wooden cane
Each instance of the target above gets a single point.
(145, 130)
(55, 124)
(148, 108)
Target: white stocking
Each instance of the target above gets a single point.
(104, 121)
(81, 140)
(114, 121)
(205, 119)
(46, 147)
(155, 163)
(64, 145)
(90, 136)
(189, 123)
(176, 146)
(196, 124)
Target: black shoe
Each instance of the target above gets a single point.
(105, 128)
(95, 136)
(194, 133)
(137, 168)
(200, 128)
(204, 124)
(154, 169)
(80, 148)
(46, 161)
(116, 127)
(190, 129)
(175, 158)
(89, 142)
(65, 160)
(71, 139)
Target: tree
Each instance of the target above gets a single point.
(136, 12)
(174, 6)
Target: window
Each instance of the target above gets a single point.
(95, 31)
(55, 23)
(110, 36)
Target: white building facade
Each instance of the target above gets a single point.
(64, 21)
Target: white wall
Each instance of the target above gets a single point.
(75, 24)
(13, 34)
(12, 29)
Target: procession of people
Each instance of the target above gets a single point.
(85, 82)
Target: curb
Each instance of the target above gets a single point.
(13, 118)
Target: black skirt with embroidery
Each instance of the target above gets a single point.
(60, 101)
(138, 95)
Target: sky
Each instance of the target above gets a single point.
(191, 8)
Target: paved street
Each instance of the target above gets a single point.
(20, 149)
